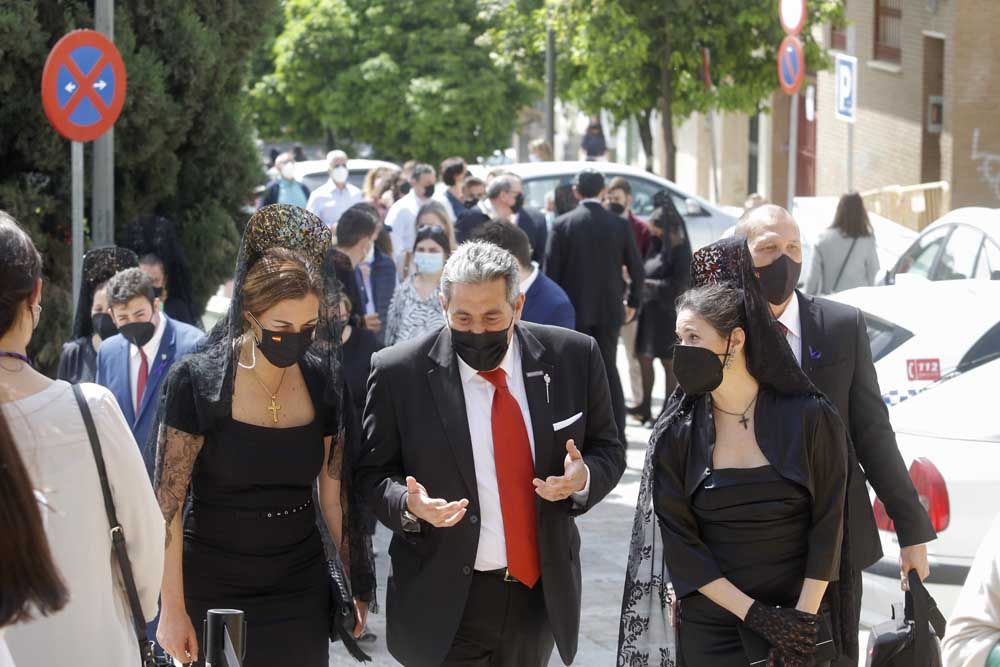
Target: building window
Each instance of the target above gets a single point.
(838, 36)
(888, 29)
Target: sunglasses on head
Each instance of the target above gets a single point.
(432, 229)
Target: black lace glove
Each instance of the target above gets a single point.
(776, 658)
(791, 632)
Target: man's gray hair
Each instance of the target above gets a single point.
(748, 222)
(335, 155)
(477, 262)
(500, 185)
(421, 169)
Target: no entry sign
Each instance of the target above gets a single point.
(83, 85)
(791, 64)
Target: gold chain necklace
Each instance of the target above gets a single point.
(275, 407)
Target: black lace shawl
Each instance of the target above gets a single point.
(98, 267)
(646, 629)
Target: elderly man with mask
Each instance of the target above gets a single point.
(330, 200)
(830, 342)
(505, 201)
(286, 189)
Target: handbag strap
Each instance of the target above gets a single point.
(117, 533)
(922, 610)
(843, 266)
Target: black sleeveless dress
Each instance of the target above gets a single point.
(251, 541)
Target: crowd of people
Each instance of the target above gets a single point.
(442, 359)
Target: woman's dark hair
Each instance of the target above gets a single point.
(564, 198)
(29, 580)
(435, 233)
(851, 217)
(278, 275)
(722, 307)
(20, 269)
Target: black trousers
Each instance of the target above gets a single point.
(504, 625)
(606, 337)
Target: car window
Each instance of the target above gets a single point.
(537, 189)
(316, 179)
(989, 261)
(918, 260)
(958, 261)
(986, 348)
(884, 336)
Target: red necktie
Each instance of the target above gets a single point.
(515, 470)
(140, 384)
(783, 329)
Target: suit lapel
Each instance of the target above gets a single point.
(811, 318)
(535, 371)
(158, 366)
(446, 388)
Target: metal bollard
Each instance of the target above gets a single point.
(225, 629)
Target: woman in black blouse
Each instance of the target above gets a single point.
(749, 471)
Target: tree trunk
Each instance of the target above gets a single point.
(331, 140)
(646, 135)
(666, 111)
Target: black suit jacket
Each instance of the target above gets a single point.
(589, 248)
(415, 424)
(530, 220)
(836, 355)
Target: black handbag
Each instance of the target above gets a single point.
(914, 640)
(146, 652)
(343, 611)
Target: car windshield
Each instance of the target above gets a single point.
(537, 191)
(885, 336)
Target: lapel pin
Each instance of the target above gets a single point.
(815, 355)
(547, 381)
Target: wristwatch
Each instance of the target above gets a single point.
(410, 523)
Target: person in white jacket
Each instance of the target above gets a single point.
(973, 635)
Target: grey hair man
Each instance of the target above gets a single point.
(505, 201)
(330, 200)
(830, 341)
(483, 441)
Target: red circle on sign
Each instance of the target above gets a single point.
(791, 64)
(83, 84)
(783, 7)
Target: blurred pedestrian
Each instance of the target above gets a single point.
(505, 201)
(161, 255)
(590, 248)
(565, 199)
(376, 278)
(830, 342)
(385, 192)
(402, 217)
(453, 174)
(268, 377)
(415, 309)
(93, 322)
(544, 301)
(462, 462)
(95, 628)
(135, 362)
(540, 151)
(358, 347)
(973, 635)
(377, 181)
(593, 145)
(286, 189)
(845, 256)
(668, 275)
(434, 213)
(473, 190)
(354, 241)
(330, 200)
(299, 153)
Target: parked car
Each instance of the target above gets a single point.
(921, 331)
(949, 437)
(314, 173)
(964, 243)
(705, 221)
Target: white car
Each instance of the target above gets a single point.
(705, 221)
(314, 173)
(920, 331)
(949, 437)
(964, 243)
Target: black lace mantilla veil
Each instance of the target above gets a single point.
(213, 369)
(647, 634)
(98, 266)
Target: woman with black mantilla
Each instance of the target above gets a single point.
(746, 473)
(252, 422)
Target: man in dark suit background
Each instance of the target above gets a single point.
(590, 247)
(830, 341)
(505, 201)
(483, 442)
(544, 301)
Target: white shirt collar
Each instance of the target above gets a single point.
(153, 346)
(790, 318)
(511, 362)
(591, 200)
(530, 280)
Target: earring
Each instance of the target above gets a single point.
(253, 364)
(729, 362)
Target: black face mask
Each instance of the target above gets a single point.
(483, 351)
(104, 325)
(138, 333)
(404, 188)
(429, 191)
(518, 203)
(158, 292)
(284, 348)
(778, 279)
(698, 369)
(469, 203)
(616, 208)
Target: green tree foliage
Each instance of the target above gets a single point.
(630, 57)
(183, 146)
(411, 79)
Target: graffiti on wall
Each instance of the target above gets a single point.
(989, 165)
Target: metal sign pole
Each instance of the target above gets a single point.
(793, 147)
(103, 202)
(850, 126)
(715, 156)
(76, 166)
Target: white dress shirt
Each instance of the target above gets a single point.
(527, 282)
(402, 219)
(329, 201)
(478, 391)
(151, 349)
(793, 322)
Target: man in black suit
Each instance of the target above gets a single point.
(505, 201)
(830, 340)
(590, 246)
(483, 442)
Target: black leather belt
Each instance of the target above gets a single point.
(502, 573)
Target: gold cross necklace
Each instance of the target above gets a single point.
(275, 407)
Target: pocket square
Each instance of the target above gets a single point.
(558, 426)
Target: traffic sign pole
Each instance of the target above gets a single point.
(76, 167)
(793, 147)
(102, 205)
(850, 126)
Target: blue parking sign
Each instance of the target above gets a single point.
(846, 77)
